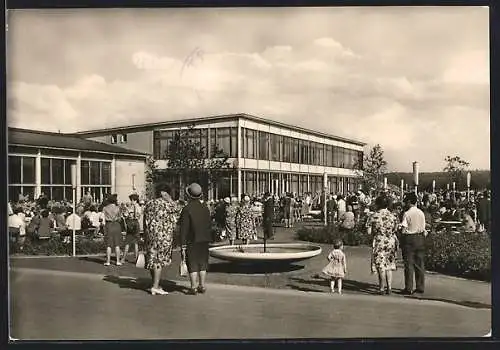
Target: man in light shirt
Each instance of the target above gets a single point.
(413, 238)
(17, 226)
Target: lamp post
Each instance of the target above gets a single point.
(385, 183)
(468, 186)
(402, 188)
(73, 185)
(433, 186)
(415, 176)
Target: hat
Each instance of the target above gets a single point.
(227, 200)
(134, 196)
(246, 199)
(194, 190)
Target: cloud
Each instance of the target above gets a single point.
(417, 101)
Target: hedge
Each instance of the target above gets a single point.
(56, 246)
(460, 253)
(455, 253)
(329, 234)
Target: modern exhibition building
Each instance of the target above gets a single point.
(265, 155)
(40, 162)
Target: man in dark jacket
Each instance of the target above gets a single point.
(331, 210)
(195, 234)
(484, 210)
(268, 216)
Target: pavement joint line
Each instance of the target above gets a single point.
(254, 289)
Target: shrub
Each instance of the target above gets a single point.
(57, 246)
(329, 234)
(459, 253)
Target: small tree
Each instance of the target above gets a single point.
(374, 168)
(187, 159)
(151, 177)
(455, 167)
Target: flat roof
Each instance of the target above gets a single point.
(52, 140)
(217, 118)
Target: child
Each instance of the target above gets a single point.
(337, 268)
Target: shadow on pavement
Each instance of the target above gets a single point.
(347, 285)
(471, 304)
(143, 284)
(93, 259)
(228, 267)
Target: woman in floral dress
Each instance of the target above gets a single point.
(245, 221)
(231, 211)
(383, 226)
(160, 219)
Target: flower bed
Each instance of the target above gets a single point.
(460, 254)
(329, 234)
(57, 246)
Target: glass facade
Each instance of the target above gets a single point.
(265, 146)
(56, 178)
(211, 139)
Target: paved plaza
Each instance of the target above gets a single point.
(52, 305)
(79, 298)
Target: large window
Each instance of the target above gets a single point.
(56, 178)
(96, 178)
(295, 151)
(234, 143)
(287, 144)
(250, 183)
(224, 140)
(276, 141)
(304, 152)
(263, 145)
(328, 155)
(250, 144)
(161, 141)
(21, 177)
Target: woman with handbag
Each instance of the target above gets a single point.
(160, 219)
(195, 234)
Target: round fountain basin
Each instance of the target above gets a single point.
(275, 252)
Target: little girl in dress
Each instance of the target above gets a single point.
(337, 268)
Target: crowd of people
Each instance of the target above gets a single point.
(156, 224)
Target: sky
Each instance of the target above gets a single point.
(414, 80)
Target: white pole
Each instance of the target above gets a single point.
(325, 183)
(415, 175)
(385, 184)
(468, 186)
(433, 186)
(402, 188)
(73, 185)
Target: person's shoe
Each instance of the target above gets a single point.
(389, 291)
(119, 263)
(407, 292)
(201, 290)
(192, 291)
(158, 291)
(107, 263)
(381, 292)
(419, 291)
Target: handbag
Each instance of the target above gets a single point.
(141, 261)
(183, 270)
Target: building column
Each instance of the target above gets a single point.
(38, 175)
(230, 184)
(270, 182)
(79, 177)
(113, 175)
(240, 184)
(308, 183)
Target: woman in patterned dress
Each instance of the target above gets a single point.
(231, 211)
(245, 221)
(383, 225)
(160, 219)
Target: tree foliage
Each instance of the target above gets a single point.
(455, 167)
(187, 158)
(151, 177)
(374, 168)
